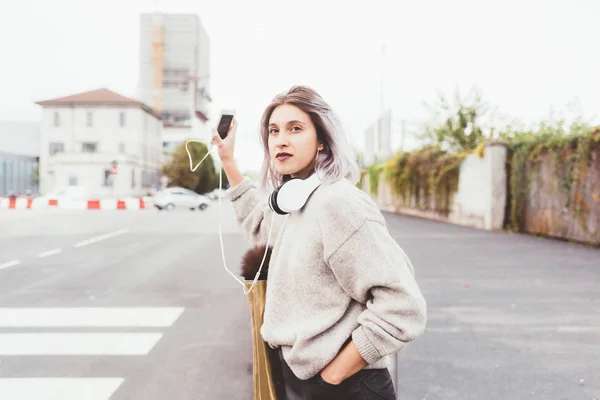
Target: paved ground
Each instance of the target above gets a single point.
(163, 260)
(510, 316)
(137, 305)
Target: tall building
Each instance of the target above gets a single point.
(384, 136)
(174, 76)
(369, 153)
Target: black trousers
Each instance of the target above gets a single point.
(367, 384)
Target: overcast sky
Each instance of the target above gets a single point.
(526, 56)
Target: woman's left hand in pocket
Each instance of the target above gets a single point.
(329, 376)
(347, 363)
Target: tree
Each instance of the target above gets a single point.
(203, 180)
(459, 126)
(35, 175)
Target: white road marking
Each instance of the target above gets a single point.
(113, 344)
(101, 237)
(49, 253)
(10, 264)
(58, 388)
(146, 317)
(514, 329)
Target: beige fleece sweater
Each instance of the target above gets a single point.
(335, 272)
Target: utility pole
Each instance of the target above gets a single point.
(381, 77)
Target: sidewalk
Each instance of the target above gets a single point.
(510, 316)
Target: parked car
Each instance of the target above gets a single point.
(176, 197)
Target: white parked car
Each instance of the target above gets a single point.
(176, 197)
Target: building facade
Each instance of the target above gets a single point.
(17, 174)
(369, 152)
(384, 136)
(100, 142)
(19, 154)
(174, 75)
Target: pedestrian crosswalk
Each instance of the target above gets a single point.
(76, 331)
(58, 388)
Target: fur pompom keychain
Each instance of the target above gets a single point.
(251, 263)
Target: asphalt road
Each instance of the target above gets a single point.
(137, 305)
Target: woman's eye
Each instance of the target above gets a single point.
(296, 128)
(273, 131)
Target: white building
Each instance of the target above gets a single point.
(175, 75)
(369, 154)
(384, 136)
(84, 135)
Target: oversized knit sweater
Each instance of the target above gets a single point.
(335, 272)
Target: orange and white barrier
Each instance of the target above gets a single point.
(132, 203)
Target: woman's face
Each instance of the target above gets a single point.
(293, 141)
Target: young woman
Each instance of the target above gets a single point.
(342, 294)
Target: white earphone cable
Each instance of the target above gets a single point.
(220, 215)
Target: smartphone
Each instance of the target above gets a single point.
(225, 122)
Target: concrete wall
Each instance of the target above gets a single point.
(551, 207)
(140, 136)
(479, 201)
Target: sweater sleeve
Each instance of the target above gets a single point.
(252, 211)
(373, 269)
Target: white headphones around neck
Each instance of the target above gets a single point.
(293, 194)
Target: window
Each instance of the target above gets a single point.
(90, 120)
(189, 192)
(56, 118)
(169, 147)
(56, 147)
(89, 147)
(73, 180)
(122, 118)
(122, 148)
(133, 178)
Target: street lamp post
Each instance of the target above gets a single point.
(381, 77)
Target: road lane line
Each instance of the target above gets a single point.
(87, 317)
(10, 264)
(59, 388)
(49, 253)
(78, 344)
(101, 237)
